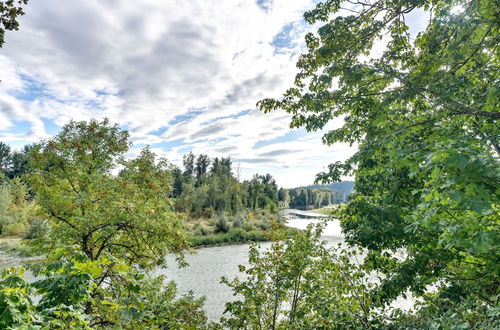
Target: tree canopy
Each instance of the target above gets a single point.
(424, 113)
(9, 12)
(129, 215)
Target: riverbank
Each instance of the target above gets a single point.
(15, 247)
(233, 236)
(330, 210)
(245, 227)
(202, 232)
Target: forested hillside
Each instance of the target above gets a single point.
(317, 196)
(341, 187)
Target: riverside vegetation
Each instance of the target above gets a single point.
(218, 209)
(427, 176)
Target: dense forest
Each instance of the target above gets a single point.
(423, 217)
(209, 185)
(316, 196)
(346, 187)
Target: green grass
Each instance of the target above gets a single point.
(329, 210)
(233, 236)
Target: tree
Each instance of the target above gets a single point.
(283, 198)
(16, 210)
(19, 164)
(4, 157)
(270, 187)
(424, 113)
(9, 12)
(177, 185)
(255, 189)
(298, 283)
(66, 287)
(129, 216)
(188, 162)
(202, 163)
(112, 221)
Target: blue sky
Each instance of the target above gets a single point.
(180, 75)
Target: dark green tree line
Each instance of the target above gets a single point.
(208, 186)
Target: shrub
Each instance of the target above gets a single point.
(263, 224)
(239, 221)
(200, 230)
(5, 202)
(37, 228)
(208, 212)
(256, 236)
(249, 226)
(13, 229)
(237, 235)
(221, 224)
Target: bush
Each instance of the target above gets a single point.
(256, 236)
(237, 235)
(249, 226)
(5, 203)
(239, 221)
(13, 229)
(200, 230)
(234, 235)
(221, 224)
(208, 212)
(263, 224)
(36, 229)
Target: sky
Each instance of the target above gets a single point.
(181, 76)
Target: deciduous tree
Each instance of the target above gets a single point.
(424, 112)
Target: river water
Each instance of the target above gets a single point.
(208, 265)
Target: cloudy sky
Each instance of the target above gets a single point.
(180, 75)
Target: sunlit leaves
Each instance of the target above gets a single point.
(423, 110)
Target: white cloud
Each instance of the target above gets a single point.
(146, 64)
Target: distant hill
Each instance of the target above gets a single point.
(342, 187)
(319, 195)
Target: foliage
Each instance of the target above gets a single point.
(221, 224)
(239, 220)
(17, 211)
(14, 163)
(313, 198)
(423, 110)
(300, 284)
(333, 210)
(233, 236)
(208, 185)
(19, 311)
(443, 313)
(67, 290)
(4, 156)
(17, 248)
(9, 12)
(317, 196)
(118, 225)
(37, 229)
(129, 216)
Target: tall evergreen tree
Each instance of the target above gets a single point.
(4, 157)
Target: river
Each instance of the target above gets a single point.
(208, 265)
